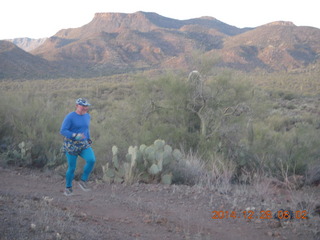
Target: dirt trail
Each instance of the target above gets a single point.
(113, 211)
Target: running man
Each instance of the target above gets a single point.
(76, 131)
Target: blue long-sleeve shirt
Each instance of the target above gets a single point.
(75, 123)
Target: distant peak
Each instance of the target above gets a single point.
(280, 23)
(208, 18)
(108, 14)
(104, 14)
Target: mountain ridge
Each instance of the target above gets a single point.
(275, 46)
(121, 42)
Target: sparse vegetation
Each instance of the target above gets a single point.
(259, 131)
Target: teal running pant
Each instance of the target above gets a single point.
(88, 156)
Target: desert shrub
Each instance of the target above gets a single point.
(215, 174)
(30, 126)
(313, 175)
(191, 171)
(281, 123)
(287, 152)
(242, 126)
(221, 173)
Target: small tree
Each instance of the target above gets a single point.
(215, 103)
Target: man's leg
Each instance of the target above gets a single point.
(89, 157)
(72, 163)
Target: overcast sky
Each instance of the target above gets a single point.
(43, 18)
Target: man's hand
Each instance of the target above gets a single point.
(78, 136)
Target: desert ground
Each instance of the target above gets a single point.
(32, 206)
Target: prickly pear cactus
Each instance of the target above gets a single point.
(149, 154)
(113, 172)
(115, 157)
(158, 158)
(166, 179)
(108, 173)
(144, 163)
(159, 144)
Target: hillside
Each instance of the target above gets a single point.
(117, 42)
(274, 46)
(16, 63)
